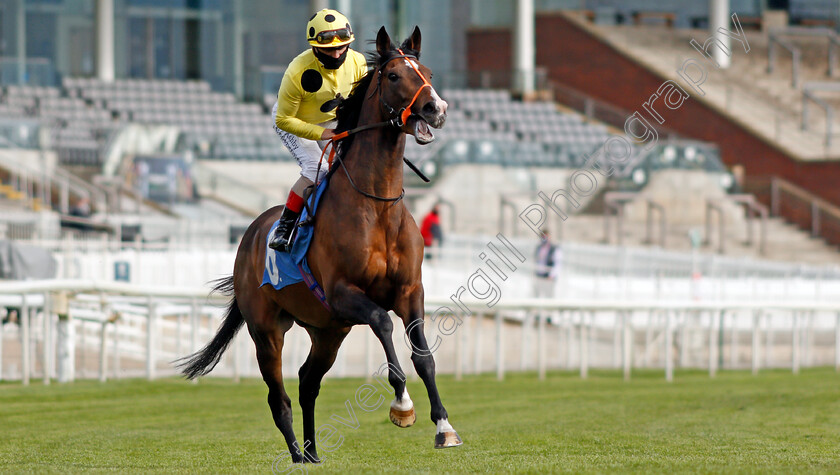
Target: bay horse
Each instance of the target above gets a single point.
(366, 253)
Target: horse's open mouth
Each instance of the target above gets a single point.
(422, 133)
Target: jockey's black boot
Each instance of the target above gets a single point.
(282, 237)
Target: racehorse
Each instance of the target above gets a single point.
(366, 253)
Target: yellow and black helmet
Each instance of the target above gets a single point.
(328, 29)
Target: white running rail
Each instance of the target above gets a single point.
(140, 330)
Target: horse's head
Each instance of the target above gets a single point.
(405, 91)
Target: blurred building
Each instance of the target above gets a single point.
(236, 46)
(243, 46)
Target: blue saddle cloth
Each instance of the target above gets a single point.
(287, 268)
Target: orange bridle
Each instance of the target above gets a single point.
(403, 114)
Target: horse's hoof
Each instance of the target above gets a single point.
(447, 439)
(403, 418)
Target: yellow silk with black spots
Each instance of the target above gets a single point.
(308, 92)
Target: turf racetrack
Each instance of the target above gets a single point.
(734, 423)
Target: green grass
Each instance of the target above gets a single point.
(775, 422)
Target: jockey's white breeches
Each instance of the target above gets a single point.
(306, 152)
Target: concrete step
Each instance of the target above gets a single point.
(784, 241)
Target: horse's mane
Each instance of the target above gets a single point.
(349, 109)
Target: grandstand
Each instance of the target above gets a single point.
(723, 195)
(767, 103)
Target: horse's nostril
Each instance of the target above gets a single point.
(431, 108)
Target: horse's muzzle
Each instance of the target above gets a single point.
(434, 111)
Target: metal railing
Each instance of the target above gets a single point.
(795, 53)
(775, 38)
(232, 193)
(614, 202)
(805, 209)
(809, 95)
(752, 207)
(150, 326)
(37, 180)
(602, 111)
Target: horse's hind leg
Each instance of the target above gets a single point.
(321, 357)
(353, 305)
(269, 343)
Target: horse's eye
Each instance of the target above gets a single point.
(393, 77)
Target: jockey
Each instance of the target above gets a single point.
(304, 114)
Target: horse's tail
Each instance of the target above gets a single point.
(203, 361)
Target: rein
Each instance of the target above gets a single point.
(398, 121)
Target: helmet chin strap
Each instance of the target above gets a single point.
(328, 61)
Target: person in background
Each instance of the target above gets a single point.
(81, 209)
(549, 259)
(304, 114)
(431, 231)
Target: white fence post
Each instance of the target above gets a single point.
(837, 342)
(648, 338)
(733, 345)
(524, 350)
(561, 344)
(713, 343)
(45, 339)
(683, 322)
(769, 340)
(570, 338)
(103, 353)
(66, 350)
(116, 348)
(83, 369)
(479, 322)
(459, 355)
(669, 347)
(500, 348)
(584, 346)
(809, 340)
(617, 328)
(1, 348)
(756, 332)
(795, 343)
(24, 335)
(195, 324)
(541, 346)
(627, 358)
(150, 339)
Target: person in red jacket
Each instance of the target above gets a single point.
(430, 229)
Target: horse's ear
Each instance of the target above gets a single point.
(413, 41)
(383, 42)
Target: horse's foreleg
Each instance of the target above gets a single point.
(353, 305)
(321, 357)
(269, 344)
(424, 363)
